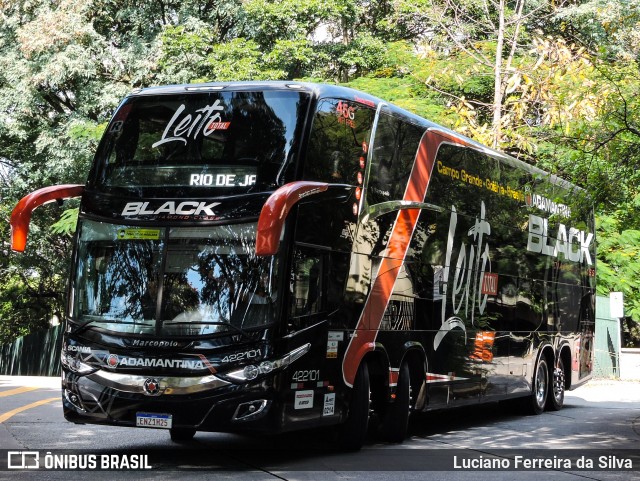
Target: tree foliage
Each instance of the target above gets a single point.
(553, 83)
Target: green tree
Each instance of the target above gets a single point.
(554, 83)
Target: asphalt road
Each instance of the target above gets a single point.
(600, 424)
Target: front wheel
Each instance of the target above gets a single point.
(352, 434)
(540, 387)
(555, 400)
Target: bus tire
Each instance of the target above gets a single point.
(395, 422)
(540, 387)
(555, 398)
(353, 432)
(181, 435)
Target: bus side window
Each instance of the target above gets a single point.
(394, 150)
(339, 131)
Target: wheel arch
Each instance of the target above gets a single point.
(547, 353)
(379, 366)
(565, 356)
(416, 358)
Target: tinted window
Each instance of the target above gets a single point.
(338, 142)
(210, 280)
(207, 144)
(394, 150)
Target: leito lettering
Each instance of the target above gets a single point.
(181, 128)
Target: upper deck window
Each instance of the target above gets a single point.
(201, 144)
(338, 142)
(394, 151)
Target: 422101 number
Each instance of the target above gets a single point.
(306, 375)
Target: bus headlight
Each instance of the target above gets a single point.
(252, 371)
(249, 373)
(76, 365)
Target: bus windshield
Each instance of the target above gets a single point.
(190, 143)
(178, 281)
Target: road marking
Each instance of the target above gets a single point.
(9, 414)
(17, 390)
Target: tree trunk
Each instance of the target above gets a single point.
(498, 76)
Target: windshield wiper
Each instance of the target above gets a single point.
(87, 325)
(212, 323)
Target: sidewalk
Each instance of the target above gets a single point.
(630, 364)
(608, 390)
(31, 381)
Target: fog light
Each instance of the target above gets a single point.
(251, 410)
(74, 399)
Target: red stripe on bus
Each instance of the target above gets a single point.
(406, 220)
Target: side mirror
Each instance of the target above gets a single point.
(21, 214)
(275, 210)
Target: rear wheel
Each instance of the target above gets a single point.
(538, 397)
(395, 420)
(353, 432)
(181, 435)
(555, 399)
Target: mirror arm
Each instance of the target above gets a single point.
(21, 214)
(275, 210)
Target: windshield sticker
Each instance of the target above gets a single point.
(184, 128)
(139, 234)
(336, 336)
(222, 180)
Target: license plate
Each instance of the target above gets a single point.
(153, 420)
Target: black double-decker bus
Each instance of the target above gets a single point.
(266, 257)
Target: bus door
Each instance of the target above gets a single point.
(324, 229)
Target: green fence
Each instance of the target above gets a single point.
(37, 354)
(607, 356)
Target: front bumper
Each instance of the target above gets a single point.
(206, 403)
